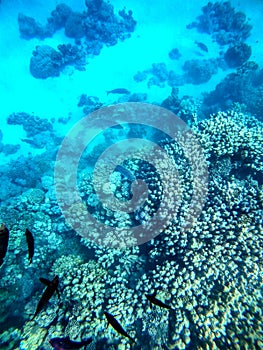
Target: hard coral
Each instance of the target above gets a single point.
(245, 86)
(199, 71)
(29, 28)
(237, 54)
(221, 20)
(46, 62)
(74, 26)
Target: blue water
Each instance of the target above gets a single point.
(131, 149)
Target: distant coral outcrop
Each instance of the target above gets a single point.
(93, 28)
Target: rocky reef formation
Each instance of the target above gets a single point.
(210, 275)
(244, 86)
(220, 20)
(92, 29)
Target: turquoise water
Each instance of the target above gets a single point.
(131, 168)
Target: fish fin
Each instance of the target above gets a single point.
(154, 294)
(44, 281)
(58, 294)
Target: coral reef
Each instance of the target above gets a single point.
(29, 28)
(159, 76)
(220, 20)
(237, 54)
(74, 27)
(174, 54)
(245, 86)
(186, 107)
(90, 103)
(59, 17)
(199, 71)
(97, 26)
(210, 274)
(72, 55)
(25, 173)
(39, 131)
(8, 148)
(196, 72)
(47, 62)
(32, 124)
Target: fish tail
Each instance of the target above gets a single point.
(108, 92)
(36, 313)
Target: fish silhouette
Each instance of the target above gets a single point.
(153, 300)
(201, 46)
(30, 245)
(52, 287)
(117, 326)
(4, 238)
(119, 91)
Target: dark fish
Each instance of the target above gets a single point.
(116, 325)
(118, 91)
(66, 343)
(36, 142)
(106, 122)
(52, 287)
(30, 245)
(30, 142)
(155, 301)
(4, 238)
(125, 172)
(201, 46)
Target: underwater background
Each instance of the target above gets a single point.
(194, 283)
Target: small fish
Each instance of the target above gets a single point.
(153, 300)
(30, 142)
(66, 343)
(106, 122)
(4, 238)
(125, 172)
(30, 245)
(52, 287)
(36, 142)
(116, 325)
(118, 91)
(201, 46)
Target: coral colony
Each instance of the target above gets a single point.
(199, 288)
